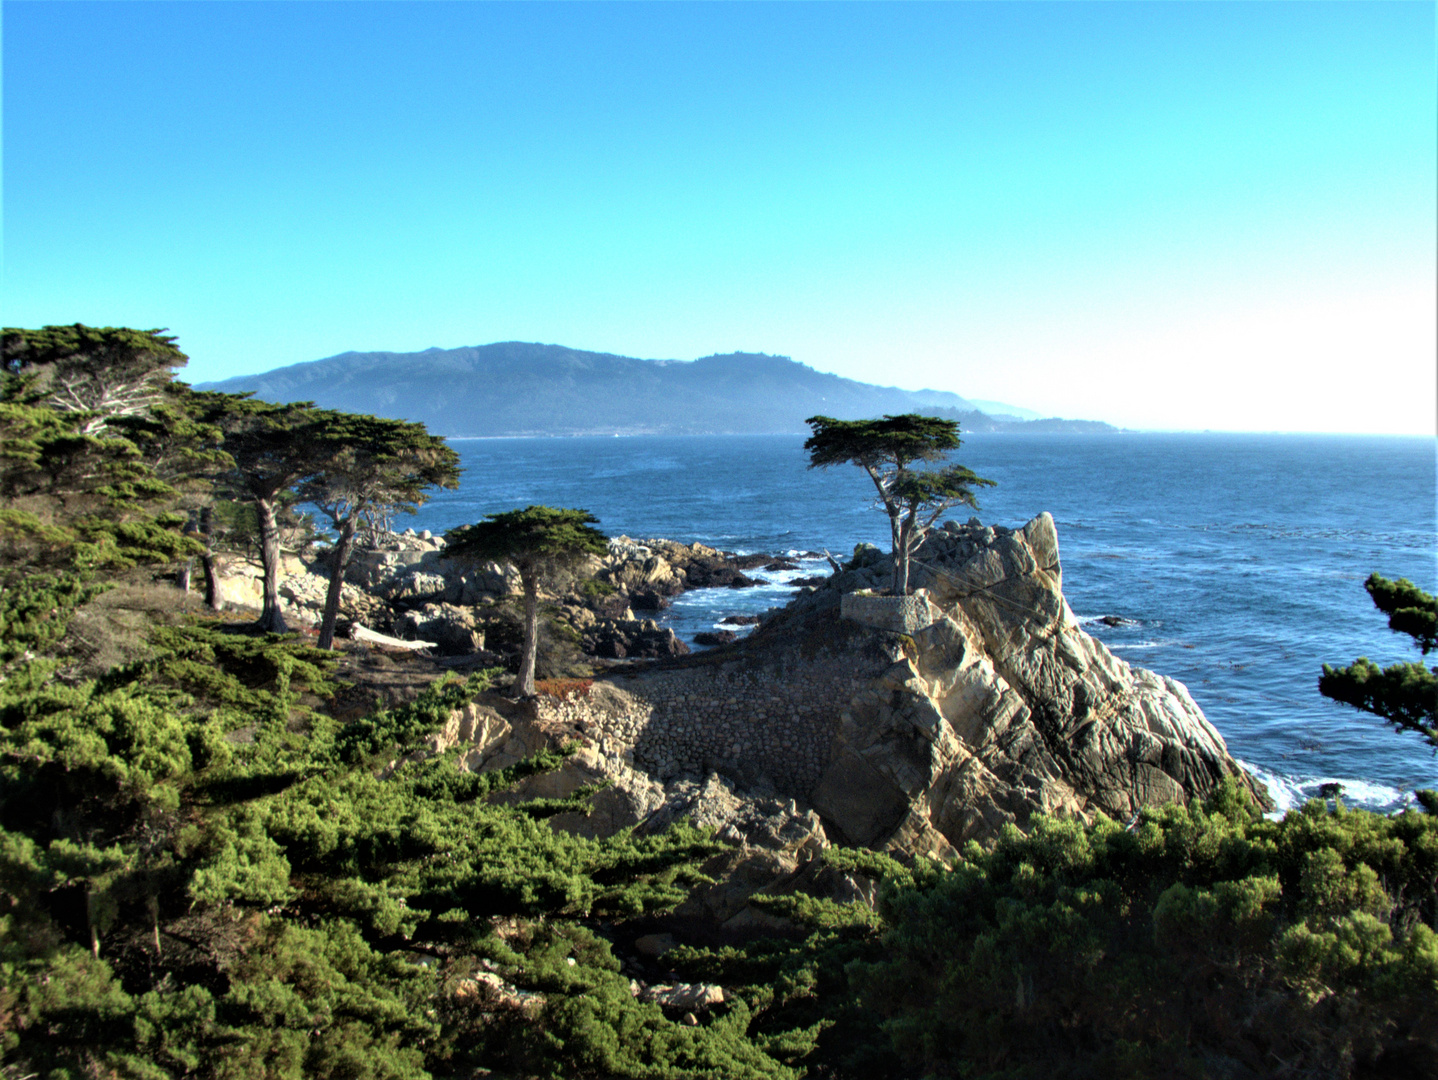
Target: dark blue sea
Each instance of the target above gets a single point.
(1239, 558)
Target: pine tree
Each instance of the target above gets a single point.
(1405, 694)
(272, 449)
(102, 371)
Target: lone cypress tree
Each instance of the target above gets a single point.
(886, 449)
(1406, 695)
(537, 540)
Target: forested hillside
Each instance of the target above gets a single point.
(213, 865)
(516, 388)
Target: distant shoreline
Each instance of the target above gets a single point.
(965, 434)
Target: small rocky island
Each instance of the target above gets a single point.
(905, 724)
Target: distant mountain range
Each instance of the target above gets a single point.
(516, 388)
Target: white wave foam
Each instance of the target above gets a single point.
(1289, 792)
(738, 629)
(1123, 620)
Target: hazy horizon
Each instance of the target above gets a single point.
(1176, 217)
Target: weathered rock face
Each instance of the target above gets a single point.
(618, 639)
(649, 572)
(411, 570)
(1004, 706)
(450, 627)
(996, 706)
(302, 589)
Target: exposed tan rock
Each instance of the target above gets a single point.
(693, 997)
(996, 707)
(1004, 707)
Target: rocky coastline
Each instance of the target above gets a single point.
(909, 725)
(404, 585)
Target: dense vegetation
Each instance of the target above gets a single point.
(203, 873)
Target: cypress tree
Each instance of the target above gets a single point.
(537, 540)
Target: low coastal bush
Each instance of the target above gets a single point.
(1201, 941)
(188, 895)
(203, 873)
(564, 689)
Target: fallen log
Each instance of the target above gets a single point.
(364, 633)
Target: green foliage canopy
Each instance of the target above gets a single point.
(376, 467)
(101, 371)
(1404, 694)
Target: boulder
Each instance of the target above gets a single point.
(691, 997)
(451, 628)
(415, 585)
(615, 639)
(715, 637)
(648, 598)
(636, 572)
(781, 564)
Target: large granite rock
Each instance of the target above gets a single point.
(619, 639)
(1003, 706)
(994, 706)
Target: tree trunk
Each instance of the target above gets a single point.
(212, 582)
(910, 533)
(892, 510)
(337, 580)
(91, 902)
(525, 682)
(896, 550)
(207, 561)
(182, 575)
(152, 903)
(271, 618)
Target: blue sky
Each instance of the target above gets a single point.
(1163, 215)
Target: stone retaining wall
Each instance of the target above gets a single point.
(771, 726)
(900, 614)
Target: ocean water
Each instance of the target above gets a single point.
(1238, 560)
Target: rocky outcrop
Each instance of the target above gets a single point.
(1004, 706)
(715, 637)
(649, 572)
(453, 629)
(410, 569)
(996, 706)
(634, 639)
(405, 584)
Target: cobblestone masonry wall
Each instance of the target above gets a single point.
(757, 724)
(901, 614)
